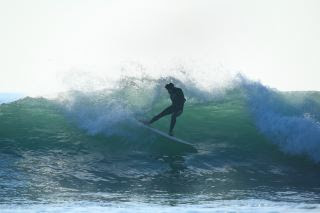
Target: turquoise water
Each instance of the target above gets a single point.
(258, 151)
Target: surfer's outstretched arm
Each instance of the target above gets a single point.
(165, 112)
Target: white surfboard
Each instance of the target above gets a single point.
(174, 139)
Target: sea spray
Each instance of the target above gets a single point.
(288, 125)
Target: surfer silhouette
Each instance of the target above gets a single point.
(176, 108)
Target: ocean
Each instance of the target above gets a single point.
(82, 151)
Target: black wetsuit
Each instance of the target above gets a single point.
(176, 109)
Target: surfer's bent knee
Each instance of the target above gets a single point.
(177, 113)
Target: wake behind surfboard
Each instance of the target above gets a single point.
(172, 142)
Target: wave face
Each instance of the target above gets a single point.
(253, 142)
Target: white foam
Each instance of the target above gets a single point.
(247, 206)
(295, 132)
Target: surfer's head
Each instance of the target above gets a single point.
(169, 86)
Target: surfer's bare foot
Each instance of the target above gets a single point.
(145, 122)
(171, 133)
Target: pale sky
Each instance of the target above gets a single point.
(274, 41)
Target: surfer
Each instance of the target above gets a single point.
(176, 108)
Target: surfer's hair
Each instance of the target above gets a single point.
(169, 86)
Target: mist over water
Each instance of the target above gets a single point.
(84, 148)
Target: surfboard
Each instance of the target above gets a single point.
(176, 141)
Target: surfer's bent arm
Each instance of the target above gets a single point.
(177, 98)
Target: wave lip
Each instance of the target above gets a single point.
(287, 124)
(10, 97)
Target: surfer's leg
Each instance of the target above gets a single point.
(173, 120)
(165, 112)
